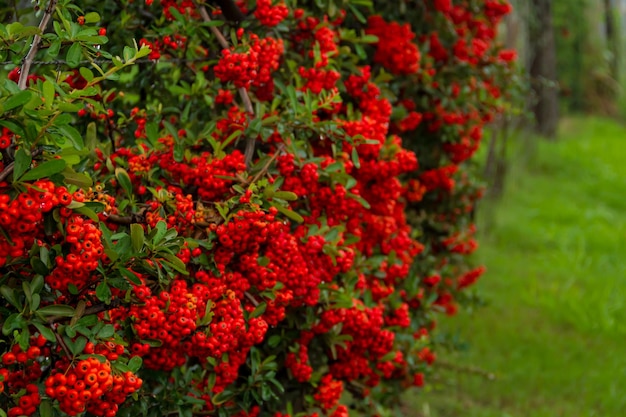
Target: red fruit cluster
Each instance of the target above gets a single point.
(90, 385)
(270, 15)
(85, 251)
(22, 218)
(20, 371)
(395, 49)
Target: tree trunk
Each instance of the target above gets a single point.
(543, 69)
(612, 42)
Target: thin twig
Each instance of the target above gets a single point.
(251, 298)
(133, 218)
(243, 93)
(263, 170)
(7, 171)
(100, 308)
(34, 47)
(63, 345)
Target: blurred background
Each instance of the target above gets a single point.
(548, 338)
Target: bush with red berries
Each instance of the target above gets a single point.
(236, 208)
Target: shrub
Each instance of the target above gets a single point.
(253, 209)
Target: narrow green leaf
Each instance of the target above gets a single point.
(124, 180)
(136, 236)
(86, 211)
(91, 138)
(286, 195)
(73, 135)
(260, 309)
(48, 93)
(290, 214)
(129, 276)
(78, 179)
(22, 163)
(44, 170)
(175, 262)
(17, 100)
(355, 158)
(60, 310)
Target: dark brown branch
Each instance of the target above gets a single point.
(9, 168)
(61, 342)
(243, 93)
(100, 308)
(263, 170)
(7, 171)
(133, 218)
(34, 47)
(251, 298)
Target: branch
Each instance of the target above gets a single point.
(251, 298)
(99, 308)
(6, 171)
(243, 93)
(9, 168)
(28, 61)
(133, 218)
(263, 171)
(62, 343)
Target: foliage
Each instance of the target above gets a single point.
(204, 209)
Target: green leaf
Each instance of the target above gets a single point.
(74, 54)
(8, 294)
(45, 331)
(73, 135)
(86, 211)
(60, 310)
(106, 331)
(45, 409)
(86, 73)
(134, 364)
(290, 214)
(129, 276)
(48, 93)
(103, 292)
(260, 309)
(124, 180)
(17, 100)
(175, 262)
(38, 266)
(222, 397)
(92, 17)
(13, 322)
(78, 179)
(136, 236)
(286, 195)
(355, 158)
(22, 163)
(44, 170)
(274, 340)
(91, 138)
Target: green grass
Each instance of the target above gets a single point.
(554, 332)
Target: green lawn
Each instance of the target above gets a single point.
(554, 330)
